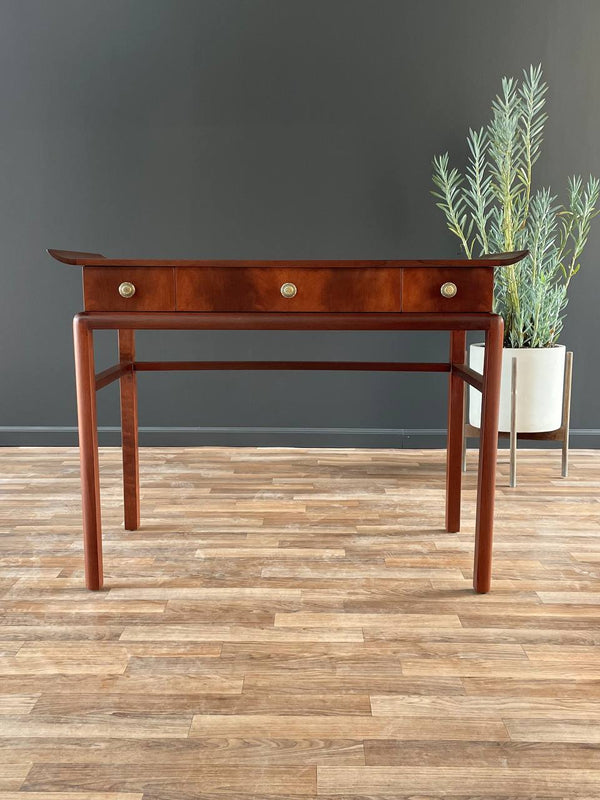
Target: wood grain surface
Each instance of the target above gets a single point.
(421, 289)
(296, 623)
(318, 289)
(97, 259)
(154, 289)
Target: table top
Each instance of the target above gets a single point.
(82, 259)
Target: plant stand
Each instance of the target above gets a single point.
(560, 434)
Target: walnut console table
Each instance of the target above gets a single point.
(155, 294)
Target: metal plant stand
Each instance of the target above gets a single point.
(560, 434)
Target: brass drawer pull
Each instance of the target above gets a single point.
(126, 289)
(288, 290)
(448, 289)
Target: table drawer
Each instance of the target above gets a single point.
(288, 289)
(110, 288)
(442, 289)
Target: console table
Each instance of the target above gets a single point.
(127, 294)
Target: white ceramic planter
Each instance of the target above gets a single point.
(540, 383)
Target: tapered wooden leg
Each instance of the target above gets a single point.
(129, 433)
(488, 450)
(88, 452)
(456, 406)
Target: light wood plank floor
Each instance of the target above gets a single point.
(295, 623)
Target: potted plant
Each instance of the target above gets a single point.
(494, 208)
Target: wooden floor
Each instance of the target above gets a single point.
(296, 623)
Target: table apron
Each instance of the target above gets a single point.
(183, 320)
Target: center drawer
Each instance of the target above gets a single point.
(341, 289)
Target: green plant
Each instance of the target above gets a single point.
(492, 208)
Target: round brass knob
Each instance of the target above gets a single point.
(448, 289)
(126, 289)
(288, 290)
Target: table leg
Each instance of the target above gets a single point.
(456, 405)
(88, 452)
(488, 450)
(129, 432)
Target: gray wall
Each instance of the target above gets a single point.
(262, 128)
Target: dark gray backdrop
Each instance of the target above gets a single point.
(262, 128)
